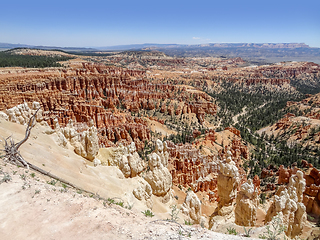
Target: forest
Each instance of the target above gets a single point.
(8, 59)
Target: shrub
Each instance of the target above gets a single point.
(275, 229)
(148, 213)
(6, 178)
(187, 222)
(232, 231)
(247, 232)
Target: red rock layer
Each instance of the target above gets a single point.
(311, 198)
(311, 195)
(97, 92)
(189, 168)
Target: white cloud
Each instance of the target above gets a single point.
(196, 38)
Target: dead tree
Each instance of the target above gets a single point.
(13, 156)
(11, 149)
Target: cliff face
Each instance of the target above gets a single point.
(190, 168)
(98, 92)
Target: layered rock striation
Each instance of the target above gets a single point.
(104, 94)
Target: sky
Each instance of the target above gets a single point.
(97, 23)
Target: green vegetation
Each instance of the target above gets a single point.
(262, 198)
(261, 107)
(148, 213)
(274, 230)
(188, 222)
(8, 59)
(247, 232)
(174, 213)
(149, 147)
(6, 178)
(231, 231)
(275, 151)
(120, 203)
(52, 182)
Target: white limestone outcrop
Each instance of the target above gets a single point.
(125, 158)
(288, 203)
(247, 202)
(22, 113)
(143, 192)
(227, 182)
(192, 207)
(158, 175)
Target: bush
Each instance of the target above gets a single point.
(148, 213)
(275, 230)
(232, 231)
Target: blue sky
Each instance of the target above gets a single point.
(107, 23)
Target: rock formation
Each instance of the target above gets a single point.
(228, 181)
(158, 175)
(60, 139)
(189, 168)
(247, 202)
(311, 198)
(86, 143)
(288, 203)
(143, 192)
(102, 93)
(22, 113)
(192, 207)
(88, 146)
(125, 158)
(162, 151)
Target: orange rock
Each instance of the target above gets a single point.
(284, 175)
(309, 180)
(256, 183)
(233, 130)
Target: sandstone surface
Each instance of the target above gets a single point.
(247, 202)
(290, 206)
(192, 207)
(158, 176)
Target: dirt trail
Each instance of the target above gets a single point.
(244, 111)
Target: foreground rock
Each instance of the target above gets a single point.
(247, 204)
(159, 176)
(68, 214)
(288, 203)
(228, 181)
(192, 207)
(125, 158)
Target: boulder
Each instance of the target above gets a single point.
(125, 158)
